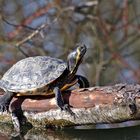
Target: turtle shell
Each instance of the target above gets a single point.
(32, 73)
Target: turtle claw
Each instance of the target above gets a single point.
(66, 108)
(4, 108)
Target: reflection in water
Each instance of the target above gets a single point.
(106, 134)
(129, 133)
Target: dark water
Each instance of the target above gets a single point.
(129, 133)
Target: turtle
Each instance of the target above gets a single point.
(43, 76)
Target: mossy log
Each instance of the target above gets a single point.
(94, 105)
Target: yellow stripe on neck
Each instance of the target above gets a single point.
(66, 86)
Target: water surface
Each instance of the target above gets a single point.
(127, 133)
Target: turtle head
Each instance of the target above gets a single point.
(75, 57)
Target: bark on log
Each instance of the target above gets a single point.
(94, 105)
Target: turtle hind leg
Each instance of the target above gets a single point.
(18, 119)
(82, 81)
(60, 102)
(5, 101)
(16, 122)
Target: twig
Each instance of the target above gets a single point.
(21, 25)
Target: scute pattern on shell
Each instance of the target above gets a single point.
(33, 72)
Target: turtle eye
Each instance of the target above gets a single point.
(82, 49)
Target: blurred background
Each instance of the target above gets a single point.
(110, 29)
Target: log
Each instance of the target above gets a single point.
(94, 105)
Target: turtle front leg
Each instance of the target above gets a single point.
(82, 81)
(5, 101)
(60, 102)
